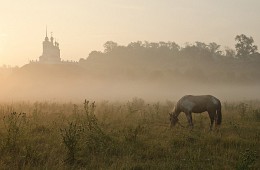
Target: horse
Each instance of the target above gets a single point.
(197, 104)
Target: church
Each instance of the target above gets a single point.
(51, 51)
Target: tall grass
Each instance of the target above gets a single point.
(130, 135)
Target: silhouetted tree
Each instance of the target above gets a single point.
(244, 46)
(198, 51)
(214, 48)
(154, 45)
(95, 54)
(173, 46)
(201, 45)
(135, 45)
(163, 44)
(109, 46)
(230, 52)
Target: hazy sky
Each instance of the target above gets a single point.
(82, 26)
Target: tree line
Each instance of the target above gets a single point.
(244, 49)
(200, 61)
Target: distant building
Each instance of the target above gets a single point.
(51, 51)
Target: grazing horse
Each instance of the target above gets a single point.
(197, 104)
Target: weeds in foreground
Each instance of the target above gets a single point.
(242, 109)
(70, 137)
(132, 135)
(247, 159)
(84, 137)
(256, 115)
(13, 123)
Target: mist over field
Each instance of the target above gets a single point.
(108, 84)
(152, 71)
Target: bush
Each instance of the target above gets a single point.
(256, 115)
(14, 124)
(242, 109)
(247, 160)
(70, 137)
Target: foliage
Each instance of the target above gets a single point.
(110, 46)
(247, 159)
(242, 109)
(256, 114)
(14, 124)
(70, 137)
(131, 133)
(168, 61)
(244, 46)
(230, 52)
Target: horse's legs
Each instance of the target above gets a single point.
(189, 118)
(212, 117)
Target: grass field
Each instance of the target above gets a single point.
(126, 135)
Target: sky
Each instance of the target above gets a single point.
(82, 26)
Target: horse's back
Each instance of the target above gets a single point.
(200, 99)
(199, 103)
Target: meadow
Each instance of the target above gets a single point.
(125, 135)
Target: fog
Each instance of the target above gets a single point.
(92, 88)
(49, 84)
(151, 71)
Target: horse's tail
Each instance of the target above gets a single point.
(219, 114)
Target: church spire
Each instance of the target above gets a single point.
(46, 36)
(46, 32)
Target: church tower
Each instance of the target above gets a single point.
(51, 51)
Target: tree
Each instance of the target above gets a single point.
(154, 45)
(244, 46)
(94, 54)
(214, 48)
(109, 46)
(173, 46)
(135, 45)
(230, 52)
(201, 45)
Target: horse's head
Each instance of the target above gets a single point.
(173, 118)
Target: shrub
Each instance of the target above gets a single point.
(70, 137)
(247, 160)
(95, 140)
(13, 123)
(256, 115)
(242, 109)
(131, 133)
